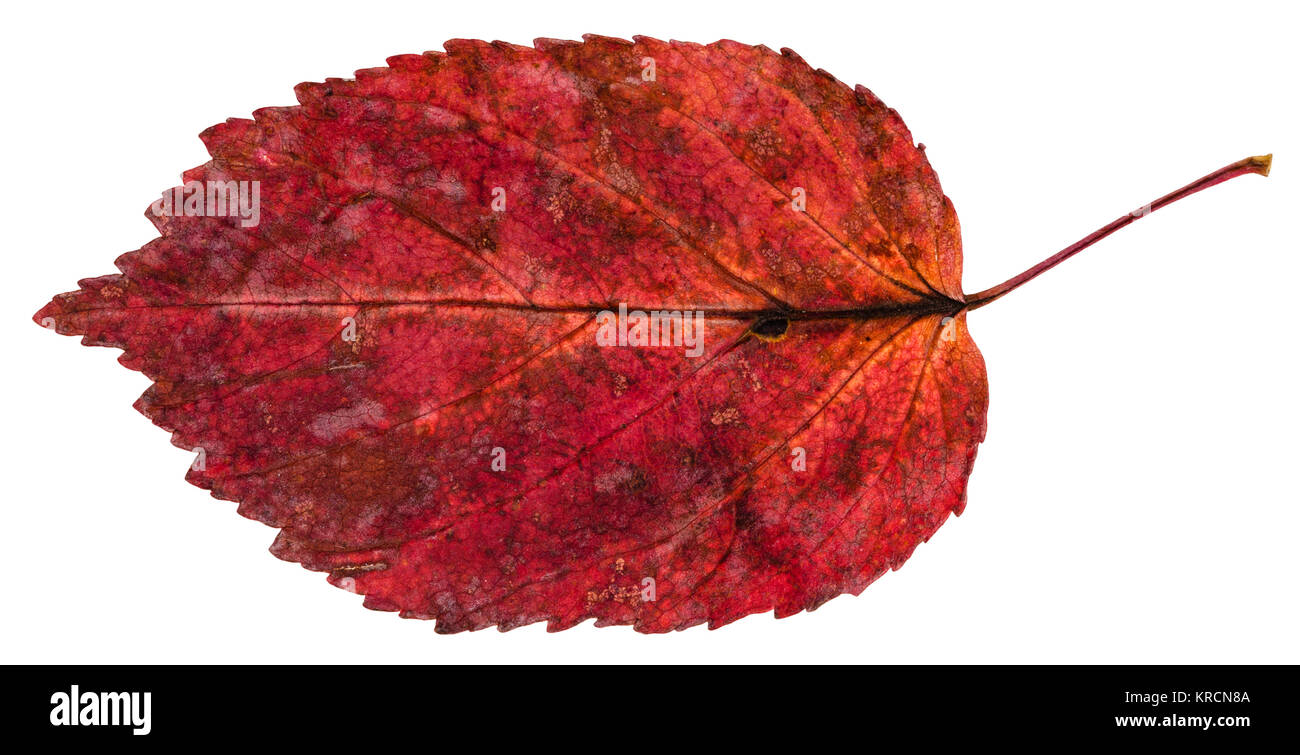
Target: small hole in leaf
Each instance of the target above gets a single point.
(771, 329)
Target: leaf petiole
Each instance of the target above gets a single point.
(1259, 164)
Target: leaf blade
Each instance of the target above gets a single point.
(477, 333)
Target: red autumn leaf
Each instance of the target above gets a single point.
(399, 353)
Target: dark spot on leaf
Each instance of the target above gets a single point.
(771, 328)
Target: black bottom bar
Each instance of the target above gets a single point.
(584, 707)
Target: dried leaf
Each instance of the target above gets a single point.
(397, 355)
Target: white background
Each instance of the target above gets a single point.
(1135, 500)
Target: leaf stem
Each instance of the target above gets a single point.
(1259, 164)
